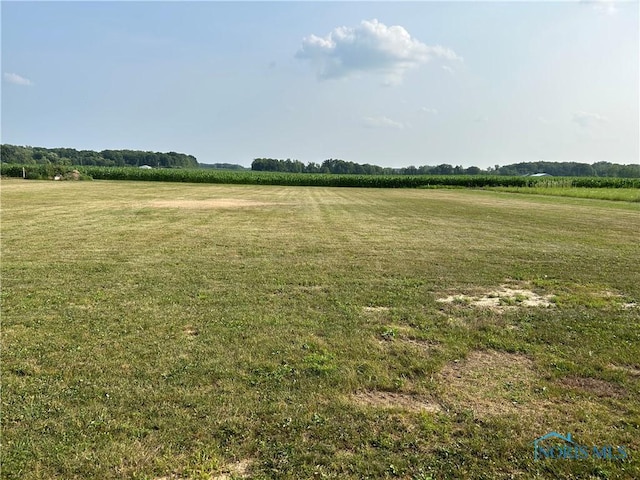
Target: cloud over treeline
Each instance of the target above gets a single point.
(370, 47)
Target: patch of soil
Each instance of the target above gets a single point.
(413, 403)
(210, 203)
(425, 345)
(190, 331)
(501, 299)
(238, 469)
(233, 470)
(488, 382)
(593, 386)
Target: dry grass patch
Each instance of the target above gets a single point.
(311, 288)
(488, 382)
(228, 472)
(210, 203)
(375, 309)
(633, 371)
(424, 345)
(457, 322)
(593, 386)
(403, 401)
(235, 470)
(503, 298)
(190, 331)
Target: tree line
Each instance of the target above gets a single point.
(120, 158)
(341, 167)
(572, 169)
(223, 166)
(106, 158)
(559, 169)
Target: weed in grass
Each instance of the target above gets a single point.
(388, 334)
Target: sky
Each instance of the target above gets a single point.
(386, 83)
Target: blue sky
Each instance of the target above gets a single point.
(391, 84)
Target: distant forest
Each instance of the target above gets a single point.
(105, 158)
(560, 169)
(223, 166)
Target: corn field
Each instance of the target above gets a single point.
(311, 179)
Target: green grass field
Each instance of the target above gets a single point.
(172, 331)
(619, 194)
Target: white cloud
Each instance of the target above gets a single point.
(17, 79)
(447, 68)
(604, 6)
(588, 119)
(381, 122)
(433, 111)
(369, 47)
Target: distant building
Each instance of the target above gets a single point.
(539, 175)
(145, 166)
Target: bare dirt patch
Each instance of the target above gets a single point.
(488, 382)
(413, 403)
(234, 470)
(209, 203)
(190, 331)
(425, 345)
(502, 298)
(593, 386)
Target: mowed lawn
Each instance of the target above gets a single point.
(172, 331)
